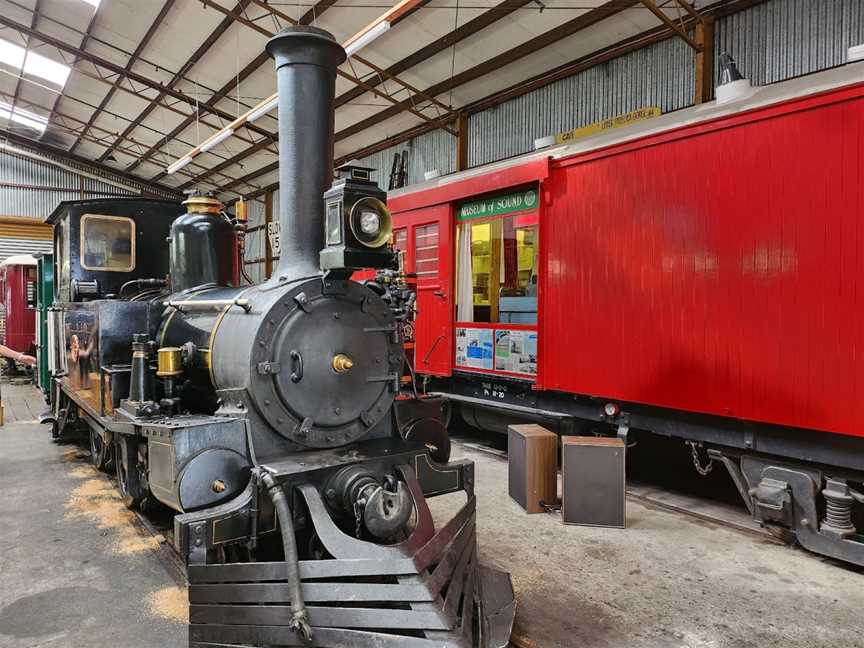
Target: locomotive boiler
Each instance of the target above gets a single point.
(271, 417)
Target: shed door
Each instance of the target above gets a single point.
(430, 256)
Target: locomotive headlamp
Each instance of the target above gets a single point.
(370, 222)
(357, 224)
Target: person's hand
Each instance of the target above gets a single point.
(26, 359)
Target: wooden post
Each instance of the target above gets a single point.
(462, 142)
(705, 61)
(496, 232)
(268, 218)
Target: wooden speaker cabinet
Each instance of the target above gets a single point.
(533, 466)
(592, 470)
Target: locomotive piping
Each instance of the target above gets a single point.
(299, 616)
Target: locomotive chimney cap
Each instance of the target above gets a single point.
(303, 44)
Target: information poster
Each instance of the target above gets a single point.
(516, 351)
(474, 348)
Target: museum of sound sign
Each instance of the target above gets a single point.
(509, 203)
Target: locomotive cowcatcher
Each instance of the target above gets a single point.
(612, 285)
(270, 416)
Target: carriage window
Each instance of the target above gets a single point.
(107, 243)
(497, 270)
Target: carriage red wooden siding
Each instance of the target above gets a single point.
(736, 292)
(18, 288)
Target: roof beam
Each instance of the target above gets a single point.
(468, 29)
(639, 41)
(84, 39)
(64, 155)
(409, 103)
(61, 121)
(379, 71)
(315, 12)
(120, 71)
(72, 98)
(202, 49)
(33, 20)
(530, 46)
(220, 94)
(134, 57)
(406, 105)
(246, 179)
(652, 6)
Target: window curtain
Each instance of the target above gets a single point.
(465, 277)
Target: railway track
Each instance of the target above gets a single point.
(689, 506)
(165, 551)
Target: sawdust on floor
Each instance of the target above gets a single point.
(170, 603)
(97, 500)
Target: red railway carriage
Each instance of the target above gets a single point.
(18, 291)
(698, 276)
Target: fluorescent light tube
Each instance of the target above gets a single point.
(367, 38)
(263, 109)
(178, 164)
(216, 139)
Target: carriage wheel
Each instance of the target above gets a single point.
(127, 474)
(100, 453)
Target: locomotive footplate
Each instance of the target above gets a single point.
(426, 589)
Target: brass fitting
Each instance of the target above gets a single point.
(170, 361)
(202, 205)
(342, 363)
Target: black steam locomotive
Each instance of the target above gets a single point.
(272, 417)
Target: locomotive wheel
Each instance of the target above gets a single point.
(128, 480)
(100, 452)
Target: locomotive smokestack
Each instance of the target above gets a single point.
(306, 60)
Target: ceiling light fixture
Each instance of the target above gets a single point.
(175, 166)
(362, 40)
(214, 141)
(262, 108)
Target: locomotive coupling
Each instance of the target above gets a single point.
(382, 506)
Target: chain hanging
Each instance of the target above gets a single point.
(694, 453)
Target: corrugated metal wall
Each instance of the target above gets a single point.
(430, 151)
(38, 203)
(773, 41)
(255, 240)
(659, 75)
(12, 246)
(787, 38)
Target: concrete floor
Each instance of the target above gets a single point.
(74, 571)
(667, 581)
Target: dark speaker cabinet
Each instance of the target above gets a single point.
(533, 466)
(592, 470)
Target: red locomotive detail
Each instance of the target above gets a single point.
(697, 276)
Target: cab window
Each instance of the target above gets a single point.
(107, 243)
